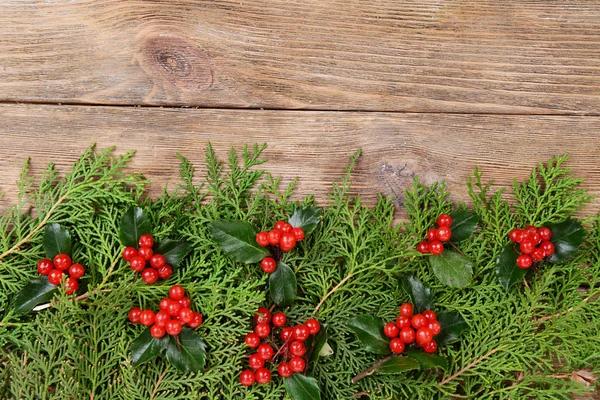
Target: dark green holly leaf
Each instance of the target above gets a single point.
(282, 285)
(453, 325)
(237, 239)
(369, 330)
(420, 295)
(173, 250)
(306, 218)
(426, 360)
(567, 236)
(38, 291)
(397, 365)
(145, 347)
(463, 226)
(506, 267)
(300, 387)
(321, 347)
(452, 269)
(57, 240)
(134, 224)
(186, 352)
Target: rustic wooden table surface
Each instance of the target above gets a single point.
(427, 87)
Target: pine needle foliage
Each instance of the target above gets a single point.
(520, 344)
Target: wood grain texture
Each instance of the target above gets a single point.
(312, 146)
(514, 56)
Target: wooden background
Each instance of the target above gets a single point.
(427, 87)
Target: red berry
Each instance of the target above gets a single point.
(545, 233)
(173, 308)
(432, 235)
(262, 330)
(176, 292)
(263, 376)
(406, 310)
(134, 315)
(548, 248)
(423, 247)
(423, 336)
(297, 364)
(268, 265)
(298, 233)
(429, 314)
(524, 261)
(165, 272)
(185, 302)
(173, 327)
(287, 242)
(444, 234)
(157, 261)
(535, 238)
(538, 254)
(129, 253)
(515, 235)
(44, 266)
(435, 327)
(256, 361)
(444, 220)
(137, 263)
(161, 318)
(262, 238)
(279, 319)
(430, 347)
(149, 275)
(146, 253)
(407, 335)
(527, 246)
(55, 276)
(196, 320)
(247, 378)
(146, 240)
(147, 317)
(185, 315)
(436, 248)
(419, 321)
(157, 331)
(286, 228)
(286, 333)
(265, 351)
(297, 348)
(403, 322)
(72, 285)
(390, 330)
(313, 326)
(279, 224)
(62, 261)
(252, 340)
(274, 237)
(284, 370)
(396, 345)
(301, 332)
(164, 304)
(262, 316)
(76, 271)
(530, 229)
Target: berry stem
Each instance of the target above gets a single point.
(456, 248)
(468, 367)
(372, 368)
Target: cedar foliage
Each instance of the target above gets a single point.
(80, 348)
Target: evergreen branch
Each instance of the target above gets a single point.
(471, 365)
(371, 369)
(570, 309)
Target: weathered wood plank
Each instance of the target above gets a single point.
(422, 56)
(312, 146)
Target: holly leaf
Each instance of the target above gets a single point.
(174, 251)
(419, 293)
(321, 347)
(452, 269)
(453, 325)
(567, 236)
(464, 224)
(237, 239)
(38, 291)
(300, 387)
(134, 224)
(57, 240)
(145, 347)
(506, 267)
(369, 330)
(397, 365)
(186, 352)
(306, 218)
(283, 285)
(426, 360)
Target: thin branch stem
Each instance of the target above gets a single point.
(160, 378)
(332, 291)
(468, 367)
(560, 314)
(372, 368)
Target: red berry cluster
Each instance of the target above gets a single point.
(534, 244)
(137, 259)
(56, 268)
(291, 353)
(283, 235)
(409, 328)
(436, 237)
(174, 314)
